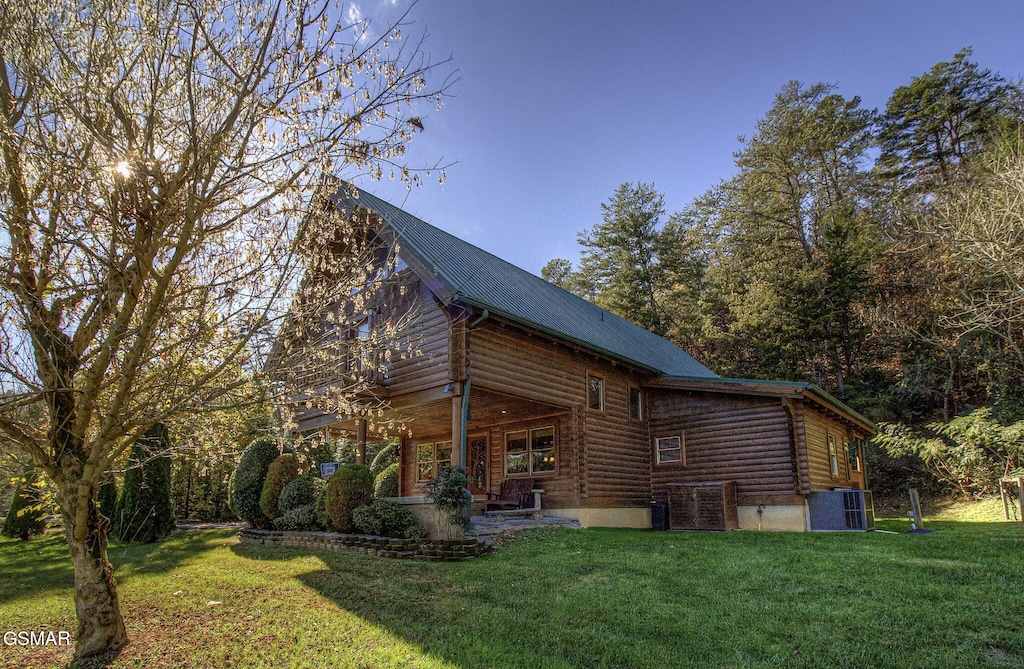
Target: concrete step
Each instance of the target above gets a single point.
(480, 526)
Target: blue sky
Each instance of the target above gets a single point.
(558, 103)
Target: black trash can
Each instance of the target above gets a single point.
(659, 516)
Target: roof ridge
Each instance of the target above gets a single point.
(471, 273)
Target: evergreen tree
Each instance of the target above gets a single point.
(144, 511)
(107, 497)
(621, 256)
(941, 119)
(793, 242)
(27, 517)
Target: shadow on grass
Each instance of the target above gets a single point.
(40, 566)
(621, 598)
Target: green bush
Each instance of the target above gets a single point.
(282, 471)
(27, 517)
(322, 517)
(386, 456)
(384, 518)
(449, 493)
(301, 518)
(247, 482)
(348, 489)
(144, 512)
(106, 500)
(301, 491)
(386, 483)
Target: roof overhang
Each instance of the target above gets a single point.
(756, 387)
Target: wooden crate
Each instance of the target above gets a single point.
(702, 506)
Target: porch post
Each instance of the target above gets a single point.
(457, 431)
(360, 441)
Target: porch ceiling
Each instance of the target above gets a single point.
(434, 418)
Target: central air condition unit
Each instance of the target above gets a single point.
(841, 511)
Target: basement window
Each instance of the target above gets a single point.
(670, 450)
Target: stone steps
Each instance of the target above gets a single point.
(483, 526)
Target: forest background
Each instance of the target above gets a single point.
(876, 253)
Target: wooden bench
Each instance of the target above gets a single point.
(516, 497)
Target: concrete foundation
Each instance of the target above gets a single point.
(773, 518)
(615, 517)
(429, 519)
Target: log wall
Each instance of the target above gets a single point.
(428, 333)
(603, 455)
(727, 438)
(817, 427)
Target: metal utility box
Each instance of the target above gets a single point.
(841, 511)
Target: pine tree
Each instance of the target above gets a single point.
(26, 518)
(144, 511)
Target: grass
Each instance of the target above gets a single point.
(553, 598)
(987, 510)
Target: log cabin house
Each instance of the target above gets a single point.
(519, 378)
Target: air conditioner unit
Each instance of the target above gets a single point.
(841, 511)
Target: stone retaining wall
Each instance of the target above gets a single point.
(428, 550)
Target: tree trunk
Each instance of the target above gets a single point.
(100, 626)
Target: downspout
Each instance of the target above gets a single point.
(466, 387)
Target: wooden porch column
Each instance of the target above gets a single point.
(457, 431)
(360, 441)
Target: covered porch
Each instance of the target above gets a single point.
(505, 437)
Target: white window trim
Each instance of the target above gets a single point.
(681, 438)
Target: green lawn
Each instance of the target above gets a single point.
(554, 598)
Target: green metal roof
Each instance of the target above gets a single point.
(477, 277)
(801, 385)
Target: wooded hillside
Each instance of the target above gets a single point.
(876, 253)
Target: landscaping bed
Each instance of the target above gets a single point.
(428, 550)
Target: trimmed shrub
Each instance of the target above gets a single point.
(27, 517)
(300, 518)
(282, 471)
(301, 491)
(386, 483)
(106, 500)
(144, 511)
(386, 456)
(322, 518)
(449, 493)
(247, 483)
(348, 489)
(384, 518)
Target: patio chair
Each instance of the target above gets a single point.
(514, 494)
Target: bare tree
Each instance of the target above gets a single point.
(157, 158)
(980, 227)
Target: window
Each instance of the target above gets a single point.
(595, 393)
(432, 458)
(833, 457)
(530, 451)
(636, 404)
(669, 450)
(853, 455)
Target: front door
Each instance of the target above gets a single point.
(477, 465)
